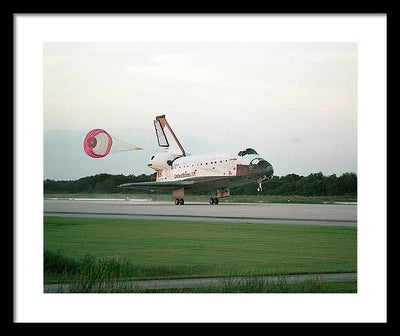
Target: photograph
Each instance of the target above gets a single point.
(200, 168)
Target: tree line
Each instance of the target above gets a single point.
(315, 184)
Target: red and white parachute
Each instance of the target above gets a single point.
(98, 143)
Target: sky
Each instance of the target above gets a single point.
(294, 103)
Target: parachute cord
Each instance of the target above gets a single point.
(133, 147)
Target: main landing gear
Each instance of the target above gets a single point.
(262, 180)
(179, 201)
(219, 193)
(214, 200)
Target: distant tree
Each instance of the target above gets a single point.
(315, 184)
(347, 183)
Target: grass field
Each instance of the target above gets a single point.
(152, 249)
(256, 287)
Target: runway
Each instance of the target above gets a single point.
(263, 213)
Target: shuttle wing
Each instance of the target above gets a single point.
(190, 183)
(168, 185)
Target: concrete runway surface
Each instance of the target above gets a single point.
(263, 213)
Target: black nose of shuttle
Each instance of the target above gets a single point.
(265, 167)
(269, 171)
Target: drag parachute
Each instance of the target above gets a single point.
(98, 143)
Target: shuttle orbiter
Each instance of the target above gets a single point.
(178, 172)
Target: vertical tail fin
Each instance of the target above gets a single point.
(166, 136)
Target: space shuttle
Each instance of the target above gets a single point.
(178, 172)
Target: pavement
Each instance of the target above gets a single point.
(263, 213)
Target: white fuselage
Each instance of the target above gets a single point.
(200, 165)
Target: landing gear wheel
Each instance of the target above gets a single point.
(179, 201)
(214, 200)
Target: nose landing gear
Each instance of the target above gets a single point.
(261, 180)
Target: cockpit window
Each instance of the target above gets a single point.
(247, 151)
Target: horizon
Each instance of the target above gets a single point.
(126, 175)
(294, 103)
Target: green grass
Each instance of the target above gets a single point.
(152, 249)
(102, 275)
(257, 287)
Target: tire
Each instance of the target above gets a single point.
(181, 201)
(176, 201)
(216, 200)
(211, 200)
